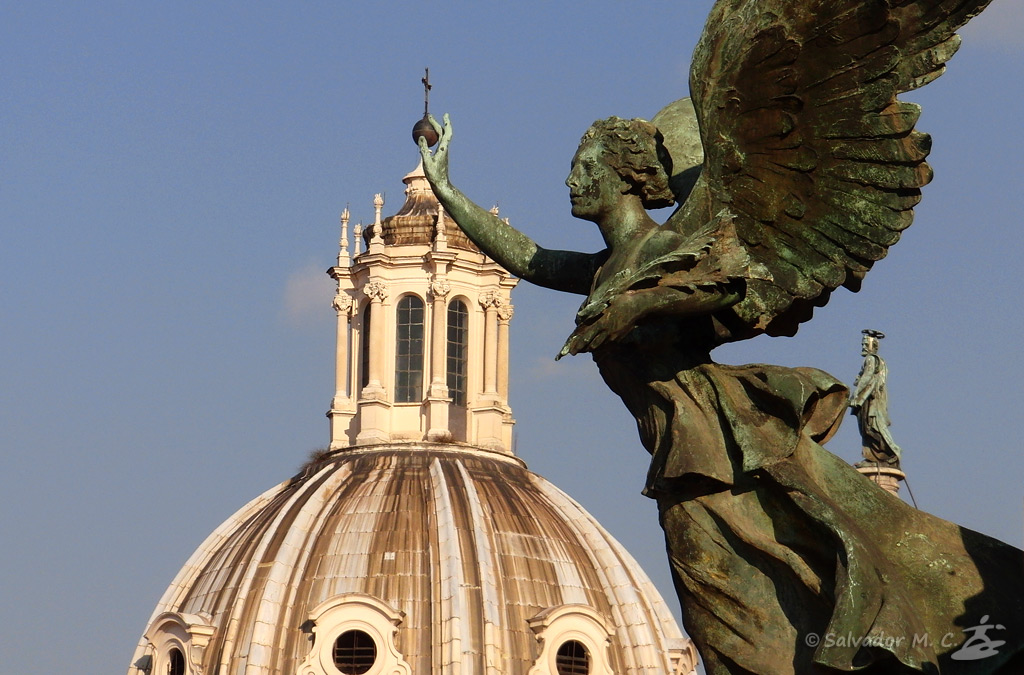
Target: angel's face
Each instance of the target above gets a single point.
(593, 184)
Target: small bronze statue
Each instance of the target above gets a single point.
(796, 167)
(870, 403)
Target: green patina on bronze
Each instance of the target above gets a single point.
(806, 169)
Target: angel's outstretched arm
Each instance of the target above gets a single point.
(561, 270)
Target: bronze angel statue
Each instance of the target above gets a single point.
(810, 168)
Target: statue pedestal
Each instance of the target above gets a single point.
(886, 477)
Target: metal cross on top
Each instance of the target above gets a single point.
(426, 91)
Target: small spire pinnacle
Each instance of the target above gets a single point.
(440, 236)
(378, 204)
(343, 259)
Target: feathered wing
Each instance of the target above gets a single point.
(806, 144)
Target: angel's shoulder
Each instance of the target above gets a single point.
(662, 240)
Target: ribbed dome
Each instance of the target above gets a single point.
(468, 544)
(416, 221)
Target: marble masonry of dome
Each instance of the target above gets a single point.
(417, 542)
(460, 552)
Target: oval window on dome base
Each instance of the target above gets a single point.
(177, 663)
(574, 640)
(353, 634)
(572, 658)
(355, 652)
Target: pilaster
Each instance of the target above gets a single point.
(343, 409)
(490, 301)
(504, 311)
(490, 412)
(438, 399)
(374, 405)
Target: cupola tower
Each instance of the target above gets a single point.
(422, 339)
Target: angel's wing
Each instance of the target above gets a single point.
(805, 142)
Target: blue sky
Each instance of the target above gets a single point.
(171, 176)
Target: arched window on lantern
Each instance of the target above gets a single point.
(458, 350)
(409, 351)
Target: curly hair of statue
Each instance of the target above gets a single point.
(634, 149)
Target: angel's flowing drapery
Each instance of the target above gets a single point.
(783, 555)
(786, 559)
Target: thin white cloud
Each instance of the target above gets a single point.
(1000, 25)
(307, 295)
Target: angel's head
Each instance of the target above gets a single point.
(629, 151)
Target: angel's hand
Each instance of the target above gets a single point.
(614, 323)
(591, 311)
(435, 165)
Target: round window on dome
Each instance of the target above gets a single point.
(177, 663)
(572, 658)
(354, 652)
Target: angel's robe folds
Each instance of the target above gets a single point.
(773, 539)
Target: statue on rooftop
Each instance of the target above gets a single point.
(870, 403)
(795, 167)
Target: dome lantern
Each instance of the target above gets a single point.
(422, 333)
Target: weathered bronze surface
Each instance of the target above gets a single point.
(786, 559)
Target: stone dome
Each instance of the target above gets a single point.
(450, 558)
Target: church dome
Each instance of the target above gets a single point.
(413, 558)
